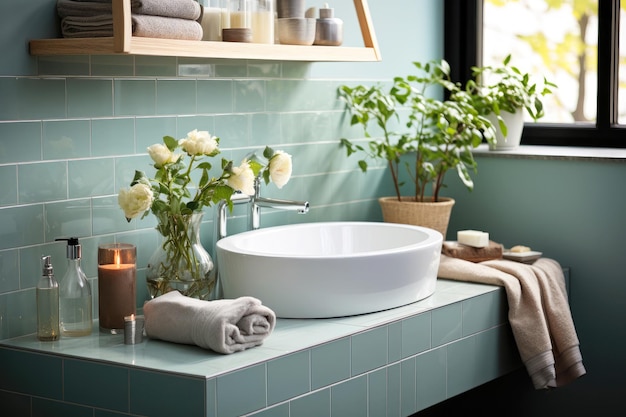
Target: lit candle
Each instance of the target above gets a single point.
(117, 286)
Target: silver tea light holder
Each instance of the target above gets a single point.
(133, 329)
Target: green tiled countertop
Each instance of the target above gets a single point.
(290, 335)
(393, 362)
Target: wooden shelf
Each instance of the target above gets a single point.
(123, 42)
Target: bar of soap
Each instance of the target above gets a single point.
(474, 238)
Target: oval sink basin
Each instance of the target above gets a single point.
(334, 269)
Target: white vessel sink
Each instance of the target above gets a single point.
(317, 270)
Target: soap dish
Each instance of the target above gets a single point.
(523, 257)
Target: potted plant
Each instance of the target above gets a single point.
(502, 93)
(437, 135)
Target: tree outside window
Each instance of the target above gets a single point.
(574, 43)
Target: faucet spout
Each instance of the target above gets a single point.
(302, 207)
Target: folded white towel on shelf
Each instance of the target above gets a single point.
(181, 9)
(142, 26)
(224, 326)
(539, 314)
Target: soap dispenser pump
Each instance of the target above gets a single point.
(75, 294)
(47, 294)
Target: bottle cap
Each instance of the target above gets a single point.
(73, 250)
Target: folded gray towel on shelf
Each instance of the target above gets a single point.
(142, 26)
(224, 326)
(78, 8)
(181, 9)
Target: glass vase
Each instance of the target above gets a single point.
(180, 262)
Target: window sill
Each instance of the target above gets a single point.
(556, 152)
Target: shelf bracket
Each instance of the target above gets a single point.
(365, 22)
(122, 26)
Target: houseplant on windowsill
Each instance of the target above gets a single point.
(177, 195)
(439, 135)
(502, 93)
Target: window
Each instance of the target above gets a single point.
(588, 110)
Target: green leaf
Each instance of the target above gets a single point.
(204, 179)
(222, 192)
(268, 153)
(170, 142)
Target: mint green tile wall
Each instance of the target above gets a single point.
(74, 129)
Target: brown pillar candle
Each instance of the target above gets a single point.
(117, 284)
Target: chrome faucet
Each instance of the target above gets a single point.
(254, 221)
(301, 207)
(256, 203)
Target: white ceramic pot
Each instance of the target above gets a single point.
(514, 123)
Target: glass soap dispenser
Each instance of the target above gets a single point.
(75, 295)
(47, 303)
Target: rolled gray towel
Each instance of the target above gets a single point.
(182, 9)
(224, 326)
(142, 26)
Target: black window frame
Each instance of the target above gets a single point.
(462, 43)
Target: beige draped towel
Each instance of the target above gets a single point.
(539, 314)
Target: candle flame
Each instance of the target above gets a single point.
(116, 257)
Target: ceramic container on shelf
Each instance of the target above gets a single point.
(296, 31)
(290, 8)
(328, 28)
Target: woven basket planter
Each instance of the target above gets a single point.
(427, 214)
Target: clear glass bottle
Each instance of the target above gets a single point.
(47, 303)
(75, 295)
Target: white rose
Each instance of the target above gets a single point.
(161, 155)
(242, 178)
(199, 143)
(280, 168)
(135, 200)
